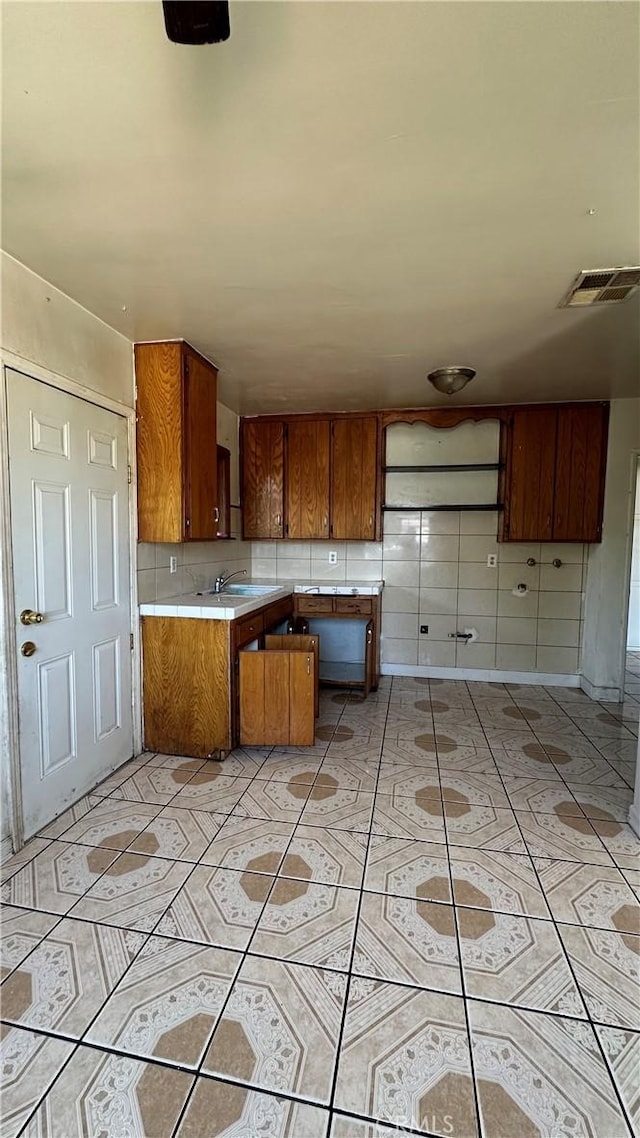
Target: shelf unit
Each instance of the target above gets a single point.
(439, 467)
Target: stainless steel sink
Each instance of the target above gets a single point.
(248, 590)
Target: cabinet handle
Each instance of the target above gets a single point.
(325, 522)
(308, 665)
(370, 636)
(371, 522)
(278, 519)
(216, 514)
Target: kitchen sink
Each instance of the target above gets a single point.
(248, 590)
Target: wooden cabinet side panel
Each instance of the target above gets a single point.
(159, 409)
(251, 698)
(580, 471)
(354, 478)
(307, 483)
(201, 449)
(185, 685)
(301, 699)
(530, 477)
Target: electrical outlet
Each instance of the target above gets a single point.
(492, 560)
(424, 628)
(333, 557)
(173, 564)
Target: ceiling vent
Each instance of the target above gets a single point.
(601, 286)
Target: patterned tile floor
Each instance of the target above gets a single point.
(427, 923)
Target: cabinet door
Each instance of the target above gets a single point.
(530, 476)
(200, 449)
(160, 441)
(307, 495)
(580, 470)
(262, 479)
(354, 478)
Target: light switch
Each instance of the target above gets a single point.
(173, 564)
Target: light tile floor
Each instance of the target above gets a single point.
(427, 923)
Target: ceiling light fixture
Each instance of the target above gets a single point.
(448, 380)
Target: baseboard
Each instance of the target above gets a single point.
(596, 691)
(634, 818)
(487, 675)
(6, 847)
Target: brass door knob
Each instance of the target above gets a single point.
(28, 616)
(28, 648)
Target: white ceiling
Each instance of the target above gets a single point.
(341, 197)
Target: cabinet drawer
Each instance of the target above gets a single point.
(277, 612)
(249, 628)
(361, 605)
(308, 605)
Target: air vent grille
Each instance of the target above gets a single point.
(601, 286)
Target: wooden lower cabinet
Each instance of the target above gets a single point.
(277, 697)
(190, 682)
(309, 607)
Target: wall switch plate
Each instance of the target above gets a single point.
(333, 557)
(173, 564)
(424, 628)
(492, 560)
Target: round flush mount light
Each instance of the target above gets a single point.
(448, 380)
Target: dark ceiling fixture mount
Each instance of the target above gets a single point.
(196, 21)
(448, 380)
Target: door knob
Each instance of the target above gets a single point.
(28, 648)
(28, 616)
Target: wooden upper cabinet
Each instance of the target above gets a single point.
(307, 483)
(553, 480)
(580, 469)
(262, 477)
(530, 475)
(354, 478)
(176, 443)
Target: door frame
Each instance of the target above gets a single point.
(634, 465)
(9, 734)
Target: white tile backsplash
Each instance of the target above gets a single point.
(400, 625)
(439, 547)
(480, 602)
(474, 548)
(439, 574)
(435, 572)
(434, 564)
(400, 600)
(401, 547)
(477, 575)
(568, 578)
(437, 653)
(439, 522)
(560, 605)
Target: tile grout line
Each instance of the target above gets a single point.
(220, 1015)
(362, 890)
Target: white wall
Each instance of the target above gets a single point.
(607, 569)
(633, 622)
(44, 326)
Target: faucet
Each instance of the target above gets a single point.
(225, 577)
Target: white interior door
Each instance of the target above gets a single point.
(70, 536)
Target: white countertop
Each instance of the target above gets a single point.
(225, 606)
(216, 606)
(344, 589)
